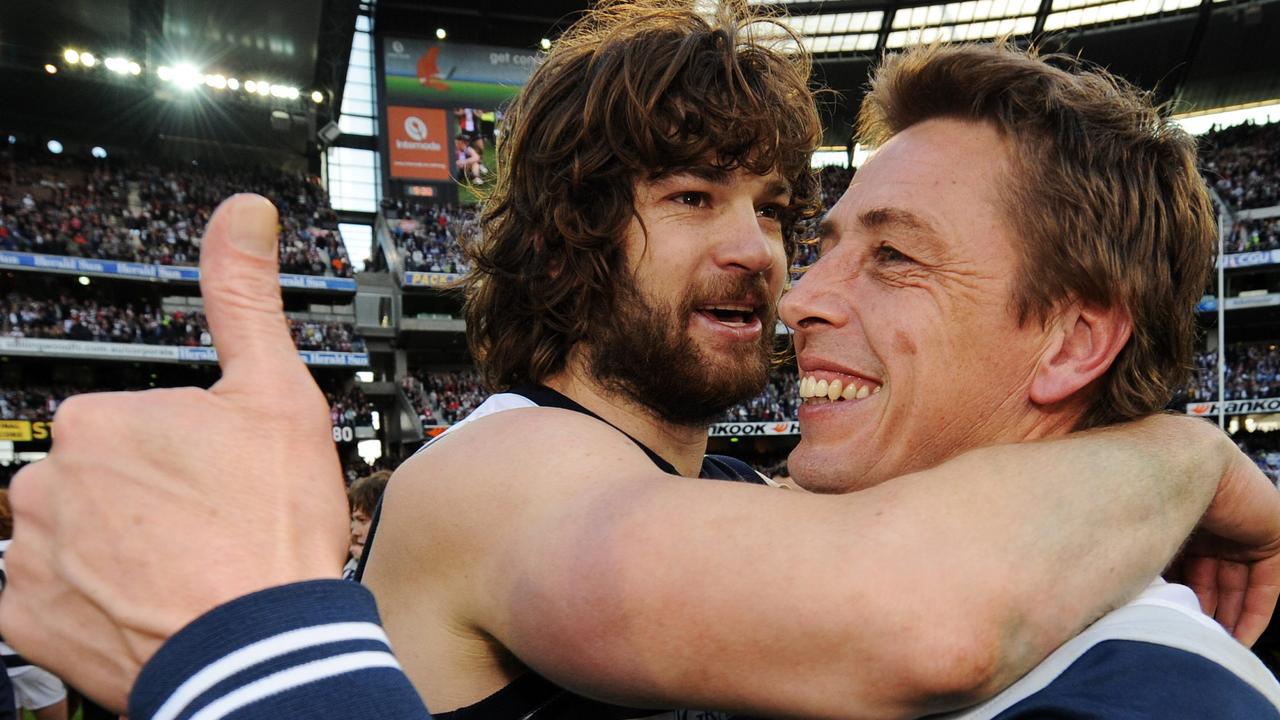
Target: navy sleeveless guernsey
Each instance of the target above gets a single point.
(531, 696)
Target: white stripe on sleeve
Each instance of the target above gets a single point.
(294, 677)
(262, 651)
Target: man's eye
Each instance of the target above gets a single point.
(692, 199)
(888, 253)
(772, 212)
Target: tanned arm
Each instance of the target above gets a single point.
(926, 593)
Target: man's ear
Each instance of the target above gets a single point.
(1085, 341)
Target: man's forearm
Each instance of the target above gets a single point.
(1077, 525)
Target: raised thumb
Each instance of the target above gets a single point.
(240, 282)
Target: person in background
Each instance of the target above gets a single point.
(28, 687)
(363, 495)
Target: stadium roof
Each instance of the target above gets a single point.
(1202, 53)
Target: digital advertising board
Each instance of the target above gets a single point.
(442, 107)
(429, 73)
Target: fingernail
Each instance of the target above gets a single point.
(253, 225)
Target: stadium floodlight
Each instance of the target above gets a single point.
(87, 59)
(71, 56)
(51, 68)
(545, 44)
(251, 86)
(217, 82)
(83, 280)
(292, 93)
(187, 77)
(165, 72)
(117, 65)
(99, 152)
(441, 34)
(13, 139)
(264, 88)
(55, 147)
(134, 68)
(233, 83)
(317, 97)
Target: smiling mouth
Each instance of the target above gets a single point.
(814, 390)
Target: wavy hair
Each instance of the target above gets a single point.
(633, 91)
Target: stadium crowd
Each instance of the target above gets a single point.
(67, 318)
(36, 402)
(1264, 448)
(443, 398)
(32, 403)
(1254, 235)
(1243, 164)
(1252, 372)
(349, 408)
(150, 215)
(780, 400)
(429, 236)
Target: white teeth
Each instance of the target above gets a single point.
(833, 390)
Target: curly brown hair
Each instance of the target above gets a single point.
(1105, 195)
(635, 90)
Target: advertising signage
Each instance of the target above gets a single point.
(426, 72)
(418, 142)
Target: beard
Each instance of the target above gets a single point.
(646, 354)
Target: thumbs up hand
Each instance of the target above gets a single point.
(155, 507)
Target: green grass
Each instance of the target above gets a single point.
(461, 93)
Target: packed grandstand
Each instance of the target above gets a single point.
(143, 213)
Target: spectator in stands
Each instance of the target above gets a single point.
(1254, 235)
(67, 318)
(34, 689)
(778, 401)
(431, 237)
(1243, 164)
(94, 214)
(443, 398)
(1252, 373)
(363, 496)
(349, 408)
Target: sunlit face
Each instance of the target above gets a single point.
(910, 304)
(360, 521)
(694, 325)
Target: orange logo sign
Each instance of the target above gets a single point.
(417, 140)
